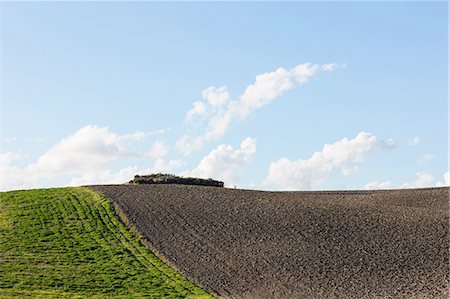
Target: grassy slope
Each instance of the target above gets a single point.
(68, 242)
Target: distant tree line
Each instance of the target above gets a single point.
(162, 178)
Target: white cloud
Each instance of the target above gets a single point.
(415, 141)
(8, 158)
(267, 87)
(198, 109)
(106, 177)
(139, 136)
(188, 144)
(224, 162)
(331, 66)
(158, 150)
(87, 150)
(85, 155)
(162, 165)
(379, 185)
(216, 96)
(217, 111)
(343, 156)
(424, 179)
(446, 181)
(12, 176)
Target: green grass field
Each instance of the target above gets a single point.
(69, 243)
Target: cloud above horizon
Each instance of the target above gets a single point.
(213, 115)
(424, 179)
(90, 148)
(445, 181)
(342, 156)
(85, 155)
(374, 185)
(224, 162)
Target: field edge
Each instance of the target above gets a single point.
(31, 204)
(131, 228)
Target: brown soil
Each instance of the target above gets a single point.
(337, 244)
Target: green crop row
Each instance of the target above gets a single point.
(70, 243)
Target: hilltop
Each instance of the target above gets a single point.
(162, 178)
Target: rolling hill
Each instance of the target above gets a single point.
(164, 241)
(333, 244)
(70, 243)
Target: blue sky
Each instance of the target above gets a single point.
(96, 92)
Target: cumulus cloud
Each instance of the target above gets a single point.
(85, 155)
(162, 165)
(343, 156)
(158, 150)
(224, 162)
(379, 185)
(198, 109)
(424, 179)
(85, 151)
(216, 111)
(12, 176)
(90, 149)
(107, 176)
(216, 96)
(445, 181)
(138, 136)
(415, 141)
(267, 87)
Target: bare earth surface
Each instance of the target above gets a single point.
(337, 244)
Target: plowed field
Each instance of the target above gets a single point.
(254, 244)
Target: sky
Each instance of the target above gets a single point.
(270, 96)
